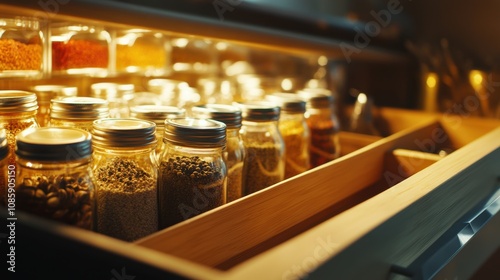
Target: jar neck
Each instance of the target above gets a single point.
(232, 132)
(171, 149)
(52, 165)
(127, 151)
(19, 115)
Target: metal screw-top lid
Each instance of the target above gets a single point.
(156, 113)
(45, 93)
(4, 148)
(123, 133)
(203, 133)
(53, 144)
(288, 102)
(229, 115)
(316, 99)
(79, 108)
(259, 111)
(109, 91)
(17, 101)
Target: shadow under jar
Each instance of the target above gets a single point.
(192, 172)
(53, 179)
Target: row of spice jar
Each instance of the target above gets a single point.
(201, 165)
(30, 47)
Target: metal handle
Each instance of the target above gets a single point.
(451, 242)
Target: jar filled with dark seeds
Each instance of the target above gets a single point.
(293, 127)
(264, 163)
(234, 154)
(157, 114)
(125, 171)
(192, 173)
(17, 113)
(53, 177)
(323, 125)
(78, 112)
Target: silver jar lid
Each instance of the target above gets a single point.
(156, 113)
(195, 132)
(12, 101)
(123, 133)
(228, 114)
(45, 93)
(288, 102)
(79, 108)
(4, 147)
(53, 144)
(259, 111)
(317, 99)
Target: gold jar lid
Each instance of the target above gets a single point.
(259, 111)
(228, 114)
(288, 102)
(156, 113)
(79, 108)
(194, 132)
(12, 101)
(45, 93)
(53, 144)
(123, 133)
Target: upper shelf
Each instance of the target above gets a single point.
(244, 24)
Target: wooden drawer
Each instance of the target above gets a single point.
(375, 211)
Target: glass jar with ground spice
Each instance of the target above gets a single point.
(79, 49)
(323, 125)
(192, 172)
(54, 179)
(78, 112)
(158, 115)
(234, 154)
(293, 127)
(125, 171)
(17, 113)
(264, 163)
(21, 47)
(131, 47)
(118, 95)
(45, 93)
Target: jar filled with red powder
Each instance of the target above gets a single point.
(80, 49)
(21, 47)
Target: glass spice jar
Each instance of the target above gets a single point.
(323, 126)
(45, 93)
(132, 44)
(78, 112)
(264, 163)
(293, 127)
(192, 172)
(158, 115)
(125, 171)
(118, 96)
(53, 178)
(80, 49)
(21, 47)
(17, 112)
(234, 154)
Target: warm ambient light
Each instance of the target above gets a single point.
(431, 81)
